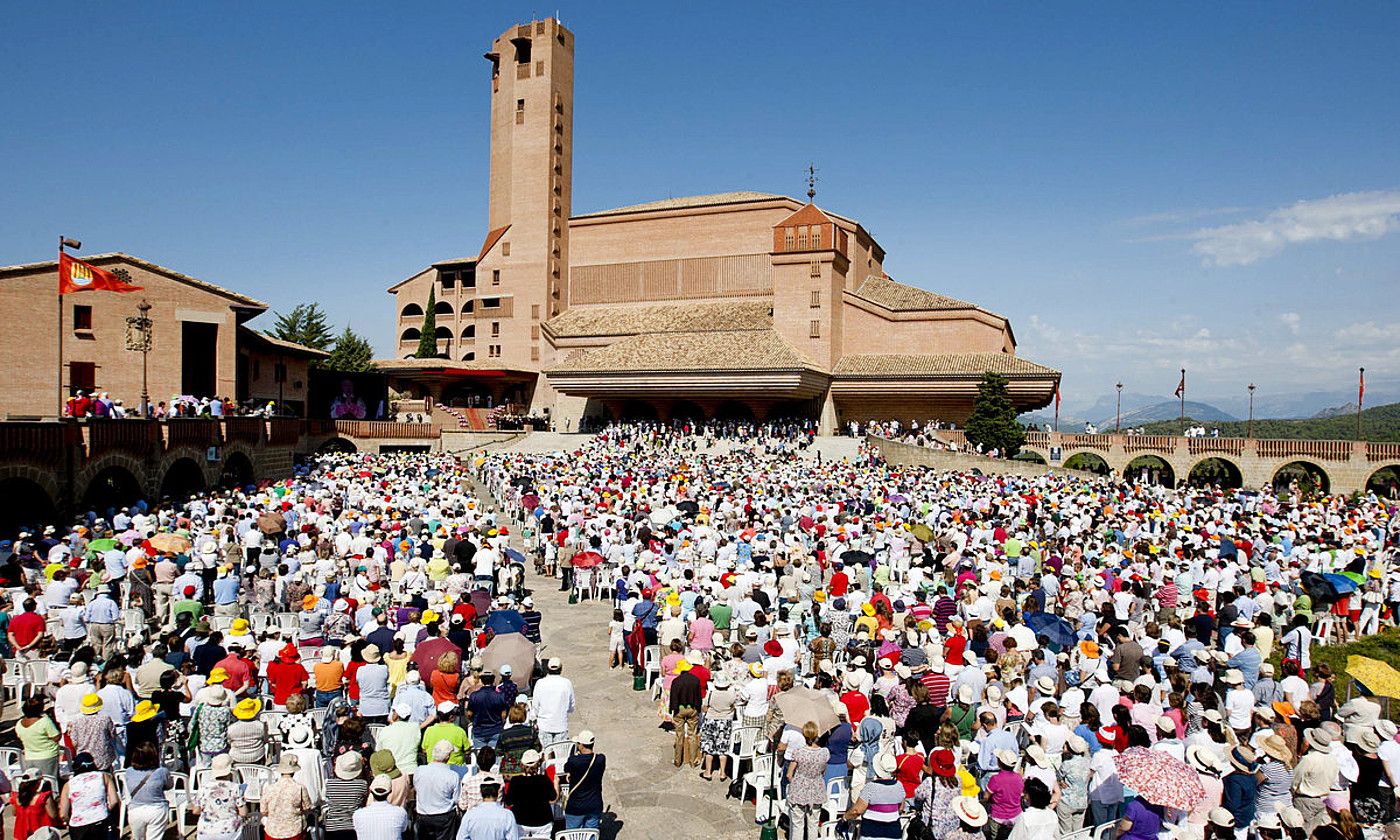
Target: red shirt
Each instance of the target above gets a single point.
(240, 673)
(839, 583)
(937, 685)
(909, 771)
(26, 627)
(287, 678)
(856, 706)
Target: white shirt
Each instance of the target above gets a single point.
(552, 703)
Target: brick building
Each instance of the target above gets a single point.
(741, 303)
(199, 343)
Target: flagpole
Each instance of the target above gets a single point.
(1183, 401)
(61, 240)
(1360, 397)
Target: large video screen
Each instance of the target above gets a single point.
(336, 395)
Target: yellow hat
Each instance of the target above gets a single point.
(682, 666)
(429, 617)
(240, 627)
(217, 676)
(247, 708)
(819, 596)
(92, 704)
(673, 600)
(308, 602)
(145, 710)
(867, 608)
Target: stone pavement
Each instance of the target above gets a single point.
(647, 796)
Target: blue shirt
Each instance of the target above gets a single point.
(226, 590)
(488, 821)
(103, 610)
(1247, 661)
(998, 740)
(435, 787)
(418, 700)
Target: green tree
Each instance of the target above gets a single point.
(351, 353)
(305, 325)
(427, 340)
(993, 421)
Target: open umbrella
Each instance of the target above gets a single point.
(1052, 627)
(522, 481)
(1024, 636)
(530, 501)
(99, 546)
(510, 649)
(1378, 677)
(1343, 584)
(515, 556)
(899, 499)
(856, 556)
(1160, 778)
(922, 532)
(688, 507)
(170, 543)
(272, 523)
(587, 559)
(505, 621)
(481, 601)
(800, 705)
(662, 517)
(806, 522)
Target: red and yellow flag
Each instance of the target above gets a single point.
(74, 275)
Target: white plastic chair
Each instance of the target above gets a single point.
(574, 834)
(134, 621)
(838, 797)
(179, 798)
(35, 674)
(1081, 834)
(758, 778)
(261, 621)
(651, 663)
(289, 621)
(10, 762)
(222, 623)
(558, 753)
(1106, 831)
(13, 680)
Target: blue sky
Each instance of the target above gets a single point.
(1215, 186)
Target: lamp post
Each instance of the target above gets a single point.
(1249, 428)
(1118, 423)
(138, 338)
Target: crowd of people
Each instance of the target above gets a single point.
(85, 405)
(348, 653)
(927, 654)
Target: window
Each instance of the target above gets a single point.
(816, 330)
(816, 268)
(469, 334)
(467, 306)
(493, 351)
(469, 356)
(539, 68)
(519, 105)
(534, 354)
(495, 329)
(816, 236)
(789, 238)
(520, 110)
(448, 278)
(82, 376)
(82, 318)
(505, 249)
(495, 277)
(469, 278)
(490, 303)
(817, 300)
(535, 311)
(534, 332)
(802, 239)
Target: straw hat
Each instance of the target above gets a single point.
(309, 602)
(1203, 759)
(222, 766)
(1275, 747)
(1007, 758)
(349, 766)
(92, 704)
(1242, 759)
(247, 708)
(288, 765)
(1036, 754)
(530, 758)
(145, 710)
(1077, 744)
(885, 765)
(1318, 738)
(1221, 817)
(371, 653)
(969, 811)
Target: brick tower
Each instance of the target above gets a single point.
(522, 271)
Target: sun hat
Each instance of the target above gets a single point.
(1269, 821)
(370, 653)
(682, 666)
(1007, 758)
(288, 764)
(1275, 747)
(1221, 817)
(217, 676)
(1242, 758)
(969, 811)
(308, 602)
(240, 627)
(381, 785)
(1213, 715)
(1037, 755)
(349, 765)
(1107, 735)
(247, 708)
(1077, 744)
(943, 763)
(772, 648)
(1291, 817)
(756, 669)
(1386, 729)
(446, 707)
(530, 758)
(92, 704)
(222, 766)
(1368, 740)
(585, 738)
(1045, 685)
(885, 765)
(1166, 725)
(721, 680)
(145, 710)
(1233, 677)
(220, 696)
(1266, 670)
(382, 763)
(1318, 738)
(965, 693)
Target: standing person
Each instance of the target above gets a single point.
(877, 805)
(345, 794)
(489, 821)
(94, 733)
(717, 724)
(530, 796)
(146, 783)
(552, 703)
(1073, 779)
(806, 789)
(1003, 795)
(435, 789)
(373, 680)
(381, 819)
(33, 803)
(685, 701)
(285, 804)
(88, 800)
(39, 736)
(219, 803)
(584, 771)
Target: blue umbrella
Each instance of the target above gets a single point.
(505, 621)
(515, 556)
(1343, 584)
(1052, 627)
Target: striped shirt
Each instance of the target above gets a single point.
(343, 798)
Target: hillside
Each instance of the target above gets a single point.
(1381, 423)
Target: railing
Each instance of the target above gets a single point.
(246, 429)
(45, 442)
(385, 429)
(1383, 451)
(137, 437)
(1224, 446)
(1324, 450)
(1037, 438)
(191, 432)
(1141, 443)
(1099, 442)
(282, 431)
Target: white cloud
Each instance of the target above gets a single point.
(1338, 218)
(1292, 321)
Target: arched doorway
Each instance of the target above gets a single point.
(1089, 462)
(336, 444)
(238, 471)
(23, 502)
(687, 411)
(1215, 472)
(1385, 482)
(1304, 476)
(733, 410)
(182, 480)
(1150, 469)
(114, 487)
(638, 411)
(1030, 456)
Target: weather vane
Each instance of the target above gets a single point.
(811, 182)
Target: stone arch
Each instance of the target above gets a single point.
(113, 482)
(469, 332)
(686, 410)
(1029, 455)
(1154, 469)
(1089, 461)
(24, 500)
(1311, 478)
(410, 334)
(735, 410)
(1216, 470)
(337, 444)
(181, 478)
(412, 310)
(1385, 481)
(238, 469)
(443, 307)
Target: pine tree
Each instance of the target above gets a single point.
(352, 353)
(305, 325)
(427, 340)
(993, 422)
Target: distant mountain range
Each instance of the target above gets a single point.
(1216, 408)
(1381, 423)
(1137, 409)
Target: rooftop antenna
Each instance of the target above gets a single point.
(811, 182)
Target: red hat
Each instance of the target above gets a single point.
(772, 648)
(1108, 735)
(942, 763)
(189, 590)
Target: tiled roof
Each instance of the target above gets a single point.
(289, 346)
(691, 351)
(941, 364)
(902, 298)
(242, 300)
(393, 365)
(686, 201)
(662, 318)
(491, 238)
